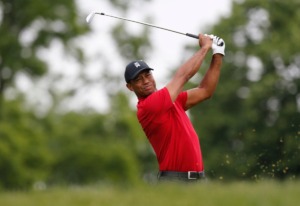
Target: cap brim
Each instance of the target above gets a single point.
(137, 73)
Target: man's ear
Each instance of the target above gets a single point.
(129, 86)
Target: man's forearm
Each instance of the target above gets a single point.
(212, 75)
(191, 67)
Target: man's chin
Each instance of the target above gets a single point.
(148, 92)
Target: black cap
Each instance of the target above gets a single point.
(134, 68)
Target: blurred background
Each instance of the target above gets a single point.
(66, 117)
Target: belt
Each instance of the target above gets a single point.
(190, 175)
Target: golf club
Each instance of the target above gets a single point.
(90, 17)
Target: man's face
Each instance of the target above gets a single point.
(143, 85)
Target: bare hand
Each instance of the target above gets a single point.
(205, 41)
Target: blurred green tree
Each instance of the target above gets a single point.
(87, 149)
(251, 127)
(72, 148)
(27, 26)
(24, 154)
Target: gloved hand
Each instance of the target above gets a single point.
(218, 46)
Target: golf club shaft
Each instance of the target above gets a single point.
(151, 25)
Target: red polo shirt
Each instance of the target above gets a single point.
(170, 132)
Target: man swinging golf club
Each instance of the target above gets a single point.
(161, 113)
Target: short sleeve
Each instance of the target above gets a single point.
(157, 102)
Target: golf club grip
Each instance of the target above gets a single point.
(192, 35)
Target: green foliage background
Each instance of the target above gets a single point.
(249, 130)
(251, 127)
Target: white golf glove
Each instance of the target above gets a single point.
(218, 46)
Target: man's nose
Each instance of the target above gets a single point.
(145, 79)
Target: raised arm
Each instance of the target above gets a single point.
(207, 86)
(189, 68)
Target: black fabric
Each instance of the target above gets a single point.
(134, 68)
(182, 176)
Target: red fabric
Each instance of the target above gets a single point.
(170, 132)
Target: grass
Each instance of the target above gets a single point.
(268, 193)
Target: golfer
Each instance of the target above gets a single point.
(162, 113)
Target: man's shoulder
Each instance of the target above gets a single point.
(155, 96)
(155, 102)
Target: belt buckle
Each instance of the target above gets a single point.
(189, 175)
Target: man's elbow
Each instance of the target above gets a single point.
(208, 94)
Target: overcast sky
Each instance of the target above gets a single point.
(187, 16)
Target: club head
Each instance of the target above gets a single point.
(90, 17)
